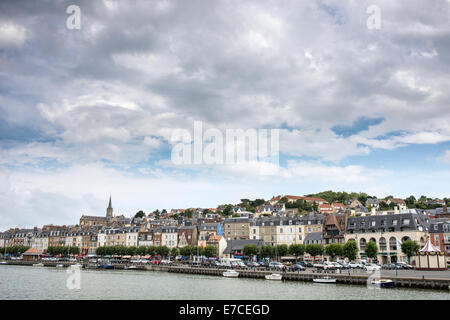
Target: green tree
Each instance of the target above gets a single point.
(210, 251)
(174, 252)
(281, 250)
(228, 210)
(371, 250)
(140, 214)
(250, 249)
(266, 251)
(350, 250)
(410, 248)
(314, 249)
(334, 250)
(185, 251)
(297, 250)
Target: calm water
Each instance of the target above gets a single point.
(22, 282)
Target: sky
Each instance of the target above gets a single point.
(90, 112)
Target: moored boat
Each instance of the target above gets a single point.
(231, 274)
(130, 268)
(325, 280)
(59, 266)
(274, 276)
(383, 283)
(38, 265)
(106, 266)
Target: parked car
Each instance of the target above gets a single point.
(344, 265)
(337, 265)
(253, 264)
(165, 262)
(404, 265)
(353, 265)
(372, 267)
(309, 264)
(276, 265)
(297, 267)
(329, 266)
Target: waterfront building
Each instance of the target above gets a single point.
(388, 231)
(187, 236)
(205, 231)
(145, 237)
(312, 223)
(235, 248)
(169, 236)
(440, 234)
(32, 254)
(41, 241)
(334, 228)
(219, 243)
(132, 234)
(289, 231)
(56, 236)
(268, 230)
(236, 228)
(114, 236)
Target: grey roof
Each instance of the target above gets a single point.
(240, 244)
(440, 227)
(237, 220)
(405, 221)
(313, 237)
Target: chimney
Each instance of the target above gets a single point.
(396, 210)
(373, 212)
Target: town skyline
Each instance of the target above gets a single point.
(446, 201)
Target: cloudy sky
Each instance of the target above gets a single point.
(89, 112)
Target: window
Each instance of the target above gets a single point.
(281, 230)
(405, 221)
(299, 237)
(373, 223)
(394, 222)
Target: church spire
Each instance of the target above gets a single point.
(109, 210)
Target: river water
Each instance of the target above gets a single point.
(23, 282)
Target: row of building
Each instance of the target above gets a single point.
(388, 229)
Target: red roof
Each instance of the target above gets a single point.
(32, 251)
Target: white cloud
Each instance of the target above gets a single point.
(12, 35)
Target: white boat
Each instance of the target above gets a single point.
(59, 266)
(130, 268)
(274, 276)
(38, 265)
(325, 280)
(231, 274)
(383, 283)
(3, 262)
